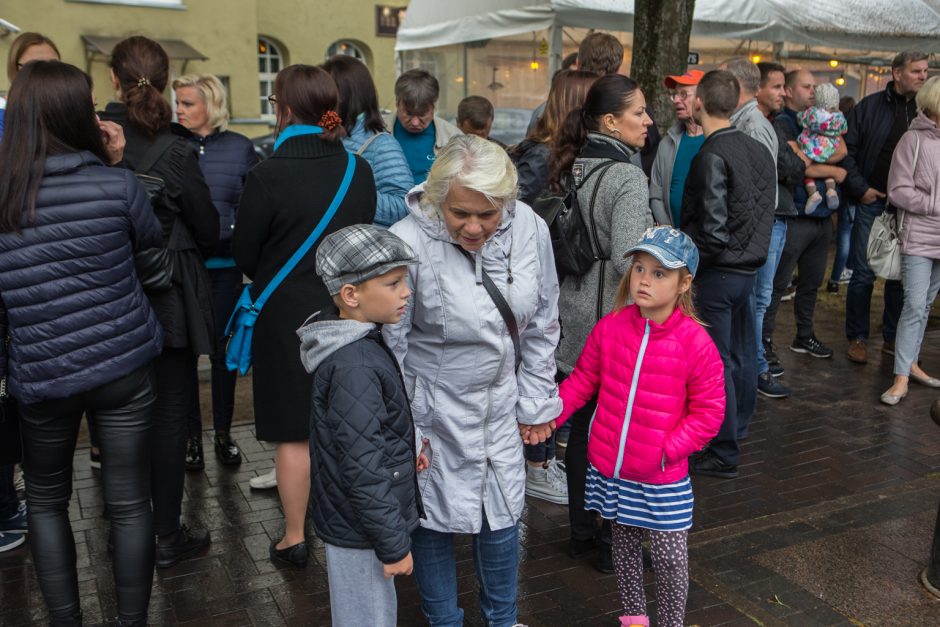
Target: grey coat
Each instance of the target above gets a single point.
(661, 175)
(749, 120)
(621, 214)
(458, 362)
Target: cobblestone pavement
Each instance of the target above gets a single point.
(829, 523)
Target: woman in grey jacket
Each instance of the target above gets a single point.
(596, 144)
(459, 359)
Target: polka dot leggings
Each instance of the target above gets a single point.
(670, 553)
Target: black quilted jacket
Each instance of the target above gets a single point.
(728, 205)
(363, 488)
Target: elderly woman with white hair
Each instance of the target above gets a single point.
(476, 344)
(225, 157)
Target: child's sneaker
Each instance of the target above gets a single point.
(9, 541)
(548, 483)
(15, 523)
(832, 199)
(812, 202)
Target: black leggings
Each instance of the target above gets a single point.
(584, 524)
(122, 413)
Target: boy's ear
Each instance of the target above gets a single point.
(349, 296)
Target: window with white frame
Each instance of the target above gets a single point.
(346, 48)
(270, 62)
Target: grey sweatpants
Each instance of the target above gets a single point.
(359, 592)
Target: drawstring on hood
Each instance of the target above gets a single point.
(324, 333)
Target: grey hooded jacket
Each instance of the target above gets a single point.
(458, 362)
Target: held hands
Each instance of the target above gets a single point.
(536, 434)
(403, 567)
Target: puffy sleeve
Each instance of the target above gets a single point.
(538, 393)
(584, 381)
(393, 179)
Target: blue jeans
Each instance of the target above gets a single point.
(843, 240)
(540, 452)
(496, 558)
(858, 294)
(764, 286)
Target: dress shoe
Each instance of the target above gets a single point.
(580, 548)
(186, 543)
(892, 399)
(226, 450)
(605, 560)
(931, 382)
(710, 465)
(858, 351)
(267, 481)
(295, 555)
(194, 458)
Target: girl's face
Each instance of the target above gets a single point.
(654, 288)
(631, 126)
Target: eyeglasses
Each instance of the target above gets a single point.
(272, 99)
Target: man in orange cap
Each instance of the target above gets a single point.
(676, 150)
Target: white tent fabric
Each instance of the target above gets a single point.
(887, 25)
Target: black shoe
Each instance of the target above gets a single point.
(194, 458)
(580, 548)
(710, 465)
(605, 560)
(226, 450)
(295, 555)
(811, 346)
(770, 351)
(770, 387)
(775, 370)
(186, 544)
(832, 287)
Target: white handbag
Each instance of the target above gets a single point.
(884, 240)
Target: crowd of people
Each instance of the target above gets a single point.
(418, 368)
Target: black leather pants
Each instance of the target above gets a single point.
(122, 414)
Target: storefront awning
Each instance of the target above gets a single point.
(175, 48)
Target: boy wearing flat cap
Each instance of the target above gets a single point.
(363, 460)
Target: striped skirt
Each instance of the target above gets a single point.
(659, 507)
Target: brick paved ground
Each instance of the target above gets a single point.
(828, 524)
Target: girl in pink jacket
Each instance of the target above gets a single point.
(660, 397)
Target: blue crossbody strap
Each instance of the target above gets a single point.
(312, 238)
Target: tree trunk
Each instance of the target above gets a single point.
(660, 47)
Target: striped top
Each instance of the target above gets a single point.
(665, 507)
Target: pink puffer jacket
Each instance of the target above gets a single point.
(661, 394)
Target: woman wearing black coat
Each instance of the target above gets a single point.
(80, 332)
(284, 199)
(139, 73)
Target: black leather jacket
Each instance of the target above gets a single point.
(728, 205)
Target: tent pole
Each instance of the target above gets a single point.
(466, 79)
(555, 47)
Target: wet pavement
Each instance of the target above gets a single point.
(829, 523)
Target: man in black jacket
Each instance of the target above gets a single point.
(728, 210)
(875, 126)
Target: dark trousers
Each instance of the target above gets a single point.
(122, 411)
(724, 301)
(583, 523)
(9, 502)
(858, 294)
(226, 288)
(806, 249)
(173, 370)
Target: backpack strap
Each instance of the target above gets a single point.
(153, 154)
(602, 169)
(368, 142)
(312, 238)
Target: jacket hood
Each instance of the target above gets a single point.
(431, 221)
(923, 123)
(323, 333)
(67, 162)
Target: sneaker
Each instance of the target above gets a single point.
(267, 481)
(605, 560)
(788, 294)
(770, 387)
(19, 481)
(775, 370)
(832, 287)
(548, 483)
(9, 541)
(561, 437)
(17, 522)
(226, 450)
(186, 543)
(858, 351)
(94, 459)
(887, 348)
(710, 465)
(770, 351)
(194, 458)
(845, 277)
(811, 346)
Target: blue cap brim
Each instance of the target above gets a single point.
(668, 261)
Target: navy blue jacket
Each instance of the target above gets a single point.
(70, 301)
(225, 159)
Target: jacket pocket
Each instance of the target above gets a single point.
(402, 472)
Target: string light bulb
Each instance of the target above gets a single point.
(534, 65)
(840, 81)
(755, 59)
(833, 63)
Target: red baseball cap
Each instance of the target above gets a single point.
(692, 77)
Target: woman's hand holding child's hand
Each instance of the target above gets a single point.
(536, 434)
(402, 567)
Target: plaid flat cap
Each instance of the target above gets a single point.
(358, 253)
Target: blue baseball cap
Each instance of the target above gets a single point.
(671, 247)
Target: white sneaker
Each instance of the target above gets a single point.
(19, 482)
(548, 484)
(845, 277)
(265, 481)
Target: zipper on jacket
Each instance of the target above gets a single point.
(630, 399)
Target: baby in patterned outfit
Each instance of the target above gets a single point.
(823, 127)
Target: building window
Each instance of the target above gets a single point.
(270, 62)
(346, 48)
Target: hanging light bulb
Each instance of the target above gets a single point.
(833, 63)
(534, 65)
(841, 80)
(755, 59)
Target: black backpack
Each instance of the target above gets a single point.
(575, 245)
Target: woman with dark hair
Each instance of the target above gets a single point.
(139, 73)
(25, 48)
(284, 199)
(595, 146)
(80, 332)
(367, 136)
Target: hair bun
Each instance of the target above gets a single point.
(330, 120)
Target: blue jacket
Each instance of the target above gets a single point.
(392, 175)
(70, 302)
(225, 159)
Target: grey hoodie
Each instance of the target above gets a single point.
(321, 338)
